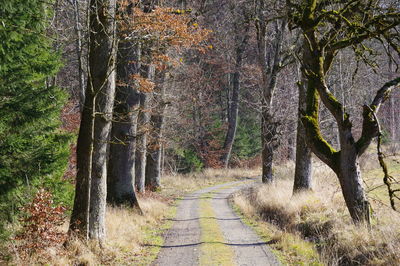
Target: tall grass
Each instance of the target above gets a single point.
(321, 218)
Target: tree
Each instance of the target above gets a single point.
(148, 72)
(328, 27)
(79, 52)
(303, 168)
(156, 31)
(241, 27)
(88, 214)
(271, 61)
(33, 147)
(155, 142)
(121, 163)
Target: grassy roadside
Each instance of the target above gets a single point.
(132, 239)
(288, 248)
(315, 228)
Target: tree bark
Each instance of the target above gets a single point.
(79, 55)
(121, 168)
(270, 58)
(303, 168)
(79, 222)
(153, 162)
(154, 147)
(90, 196)
(268, 131)
(351, 183)
(143, 127)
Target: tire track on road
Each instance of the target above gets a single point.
(208, 210)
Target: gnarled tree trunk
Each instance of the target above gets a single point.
(322, 45)
(351, 183)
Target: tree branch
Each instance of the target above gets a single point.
(370, 128)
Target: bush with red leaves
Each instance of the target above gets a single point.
(40, 226)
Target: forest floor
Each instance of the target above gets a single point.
(206, 231)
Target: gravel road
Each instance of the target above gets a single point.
(183, 243)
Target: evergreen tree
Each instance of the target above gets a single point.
(33, 149)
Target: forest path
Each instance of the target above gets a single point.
(206, 231)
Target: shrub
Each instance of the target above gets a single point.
(40, 226)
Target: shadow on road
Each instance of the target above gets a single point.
(198, 218)
(213, 242)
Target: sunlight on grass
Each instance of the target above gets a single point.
(213, 249)
(301, 225)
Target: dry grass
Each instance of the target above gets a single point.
(321, 218)
(177, 184)
(127, 234)
(132, 239)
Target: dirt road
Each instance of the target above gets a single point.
(206, 231)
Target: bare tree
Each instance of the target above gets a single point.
(271, 62)
(241, 27)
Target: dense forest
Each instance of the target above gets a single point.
(113, 111)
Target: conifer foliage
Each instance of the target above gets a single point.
(33, 149)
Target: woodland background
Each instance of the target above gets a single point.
(199, 67)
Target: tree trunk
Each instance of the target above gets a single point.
(270, 60)
(303, 168)
(79, 222)
(78, 50)
(233, 111)
(153, 163)
(351, 183)
(344, 162)
(102, 60)
(241, 39)
(268, 142)
(141, 140)
(154, 147)
(121, 169)
(95, 124)
(141, 143)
